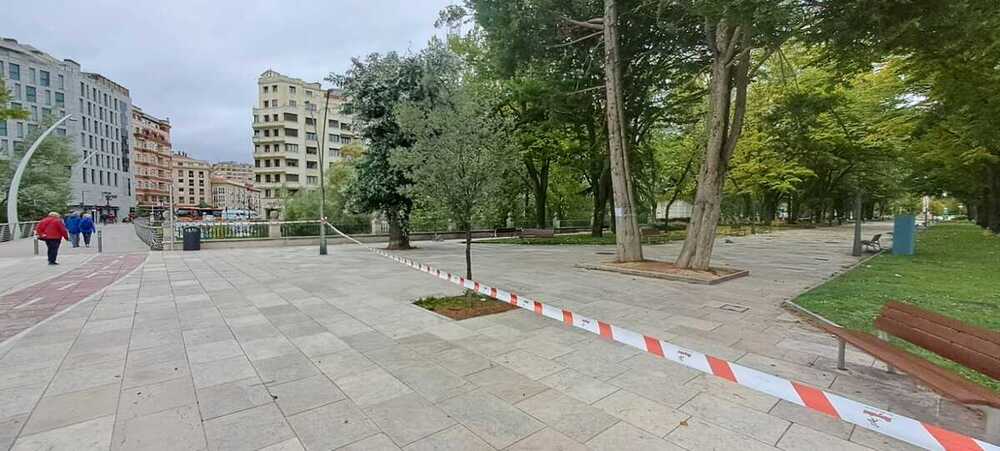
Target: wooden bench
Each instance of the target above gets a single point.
(971, 346)
(874, 243)
(537, 233)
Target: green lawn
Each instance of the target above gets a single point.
(608, 238)
(955, 272)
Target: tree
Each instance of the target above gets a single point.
(374, 87)
(45, 185)
(6, 112)
(460, 153)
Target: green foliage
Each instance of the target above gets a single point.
(953, 273)
(45, 185)
(304, 205)
(6, 112)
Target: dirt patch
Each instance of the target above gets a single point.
(464, 307)
(667, 270)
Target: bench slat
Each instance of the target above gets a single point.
(943, 336)
(942, 381)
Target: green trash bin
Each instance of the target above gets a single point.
(904, 235)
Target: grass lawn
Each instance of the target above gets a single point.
(608, 238)
(955, 272)
(463, 307)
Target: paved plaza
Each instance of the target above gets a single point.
(282, 349)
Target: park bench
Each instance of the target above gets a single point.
(970, 346)
(874, 243)
(537, 233)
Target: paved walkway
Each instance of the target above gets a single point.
(284, 349)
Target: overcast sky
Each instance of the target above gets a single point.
(197, 61)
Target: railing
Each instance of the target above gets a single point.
(224, 230)
(151, 234)
(23, 230)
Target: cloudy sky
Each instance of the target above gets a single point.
(197, 61)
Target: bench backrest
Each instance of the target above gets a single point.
(971, 346)
(878, 236)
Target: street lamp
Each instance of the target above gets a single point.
(322, 177)
(16, 181)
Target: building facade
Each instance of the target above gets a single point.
(100, 113)
(192, 181)
(233, 170)
(288, 125)
(152, 158)
(234, 196)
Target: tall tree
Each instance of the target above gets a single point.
(374, 87)
(45, 185)
(460, 154)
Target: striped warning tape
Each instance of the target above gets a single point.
(893, 425)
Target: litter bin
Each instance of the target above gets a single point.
(192, 239)
(904, 237)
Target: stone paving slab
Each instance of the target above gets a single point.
(249, 349)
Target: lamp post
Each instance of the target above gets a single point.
(21, 166)
(322, 177)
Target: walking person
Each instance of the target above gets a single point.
(86, 228)
(73, 227)
(52, 230)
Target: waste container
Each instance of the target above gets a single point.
(904, 236)
(192, 239)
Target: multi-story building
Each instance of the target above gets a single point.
(288, 124)
(233, 170)
(192, 181)
(231, 195)
(151, 146)
(99, 109)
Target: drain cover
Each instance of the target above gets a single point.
(734, 308)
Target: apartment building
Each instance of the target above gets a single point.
(152, 158)
(288, 125)
(231, 195)
(192, 181)
(99, 108)
(232, 170)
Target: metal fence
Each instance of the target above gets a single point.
(224, 230)
(151, 234)
(23, 230)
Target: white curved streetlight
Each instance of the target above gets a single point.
(16, 181)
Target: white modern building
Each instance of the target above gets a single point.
(49, 88)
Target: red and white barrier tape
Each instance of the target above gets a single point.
(893, 425)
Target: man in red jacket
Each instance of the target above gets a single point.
(52, 230)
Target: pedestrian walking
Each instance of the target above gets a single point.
(86, 228)
(73, 227)
(52, 230)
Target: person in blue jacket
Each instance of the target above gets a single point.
(73, 226)
(86, 228)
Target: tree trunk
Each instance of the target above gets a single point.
(627, 239)
(468, 251)
(730, 45)
(601, 190)
(540, 185)
(399, 238)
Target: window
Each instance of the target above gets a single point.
(310, 136)
(30, 95)
(43, 78)
(267, 163)
(34, 113)
(311, 151)
(292, 163)
(291, 89)
(256, 163)
(265, 90)
(346, 139)
(277, 178)
(312, 180)
(84, 171)
(31, 75)
(292, 148)
(333, 123)
(17, 91)
(309, 93)
(291, 132)
(61, 83)
(20, 129)
(291, 177)
(292, 117)
(3, 128)
(311, 165)
(310, 121)
(334, 138)
(292, 103)
(345, 126)
(60, 99)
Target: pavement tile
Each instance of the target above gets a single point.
(460, 361)
(625, 436)
(173, 429)
(506, 384)
(528, 364)
(585, 362)
(292, 444)
(456, 438)
(813, 419)
(284, 368)
(721, 388)
(332, 426)
(652, 385)
(223, 399)
(396, 358)
(787, 370)
(761, 426)
(221, 371)
(61, 410)
(368, 341)
(801, 438)
(495, 421)
(84, 377)
(343, 363)
(9, 428)
(216, 350)
(92, 435)
(319, 344)
(303, 394)
(371, 387)
(569, 416)
(146, 399)
(698, 434)
(875, 440)
(248, 429)
(641, 412)
(433, 382)
(197, 337)
(408, 418)
(266, 348)
(19, 400)
(579, 385)
(547, 440)
(380, 442)
(98, 356)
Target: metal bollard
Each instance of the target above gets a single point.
(100, 242)
(36, 245)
